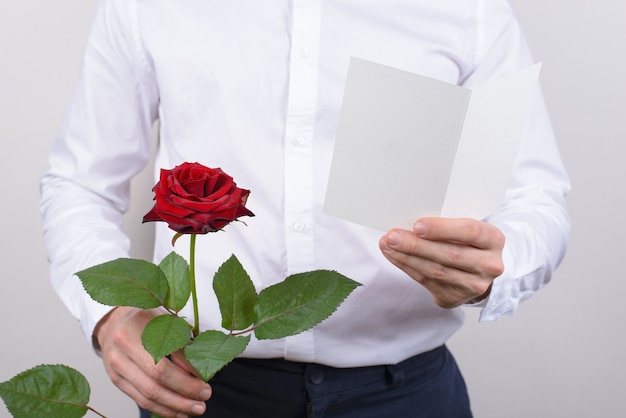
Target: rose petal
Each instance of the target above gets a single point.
(196, 199)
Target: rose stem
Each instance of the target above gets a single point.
(94, 411)
(192, 280)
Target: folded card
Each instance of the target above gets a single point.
(410, 146)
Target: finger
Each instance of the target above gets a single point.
(178, 380)
(453, 277)
(466, 281)
(449, 287)
(150, 403)
(163, 386)
(179, 359)
(160, 388)
(469, 259)
(478, 234)
(409, 249)
(178, 377)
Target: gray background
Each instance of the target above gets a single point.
(563, 352)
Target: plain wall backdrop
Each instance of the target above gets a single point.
(561, 355)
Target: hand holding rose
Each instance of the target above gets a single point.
(147, 326)
(455, 259)
(166, 388)
(192, 199)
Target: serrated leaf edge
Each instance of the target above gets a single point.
(139, 285)
(4, 387)
(156, 359)
(348, 281)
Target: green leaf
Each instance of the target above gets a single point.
(236, 295)
(299, 303)
(211, 350)
(125, 282)
(176, 272)
(51, 391)
(165, 334)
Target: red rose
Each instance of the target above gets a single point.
(194, 199)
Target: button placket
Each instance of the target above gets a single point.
(298, 148)
(298, 177)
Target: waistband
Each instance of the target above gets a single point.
(280, 364)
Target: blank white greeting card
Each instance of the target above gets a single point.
(410, 146)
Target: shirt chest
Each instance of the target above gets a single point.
(248, 45)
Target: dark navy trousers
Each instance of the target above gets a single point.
(428, 385)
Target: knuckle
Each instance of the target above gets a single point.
(119, 337)
(145, 404)
(452, 254)
(495, 268)
(116, 379)
(438, 271)
(473, 230)
(113, 359)
(479, 289)
(151, 393)
(415, 246)
(498, 239)
(155, 408)
(159, 372)
(421, 279)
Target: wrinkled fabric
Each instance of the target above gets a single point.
(256, 88)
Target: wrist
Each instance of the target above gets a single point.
(103, 326)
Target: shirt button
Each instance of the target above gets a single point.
(317, 376)
(305, 53)
(299, 141)
(299, 226)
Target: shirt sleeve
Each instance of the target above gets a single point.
(103, 142)
(534, 217)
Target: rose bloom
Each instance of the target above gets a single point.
(194, 199)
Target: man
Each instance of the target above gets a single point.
(256, 88)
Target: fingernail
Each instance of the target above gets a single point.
(419, 228)
(180, 415)
(205, 394)
(393, 238)
(197, 409)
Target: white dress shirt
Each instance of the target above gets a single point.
(255, 87)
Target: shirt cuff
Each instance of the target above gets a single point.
(91, 314)
(502, 299)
